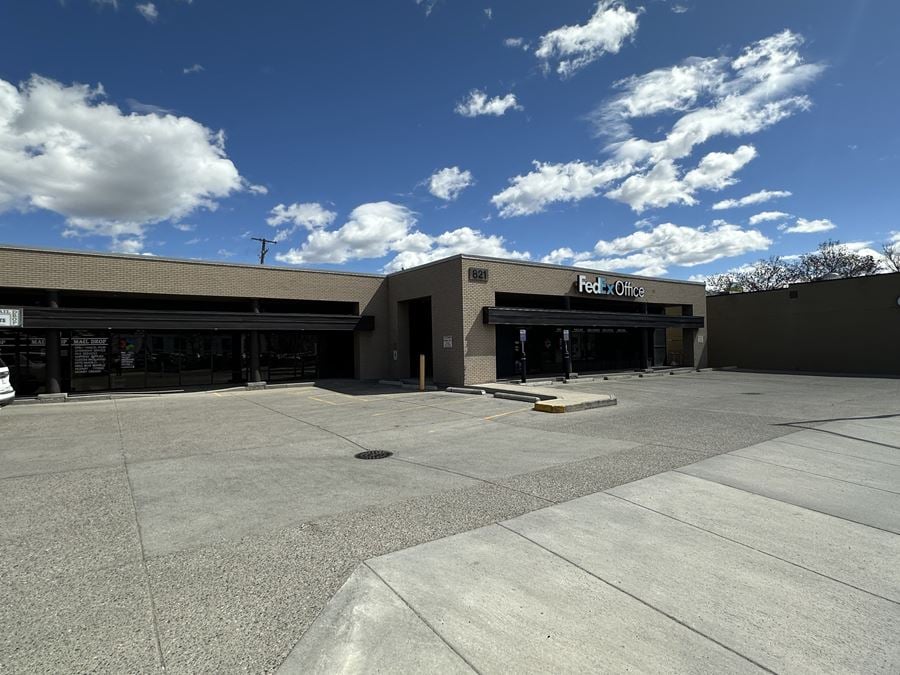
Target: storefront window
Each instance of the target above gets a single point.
(128, 360)
(89, 354)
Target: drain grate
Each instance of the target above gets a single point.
(373, 454)
(752, 393)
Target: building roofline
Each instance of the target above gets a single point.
(799, 284)
(590, 270)
(210, 263)
(284, 268)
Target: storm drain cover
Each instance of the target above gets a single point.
(752, 393)
(373, 454)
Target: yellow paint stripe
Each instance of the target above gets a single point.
(509, 412)
(322, 400)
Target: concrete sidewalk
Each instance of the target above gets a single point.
(781, 556)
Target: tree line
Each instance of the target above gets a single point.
(831, 260)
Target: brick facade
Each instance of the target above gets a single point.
(456, 302)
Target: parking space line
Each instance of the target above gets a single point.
(322, 400)
(508, 412)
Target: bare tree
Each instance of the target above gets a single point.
(891, 252)
(767, 275)
(722, 283)
(834, 259)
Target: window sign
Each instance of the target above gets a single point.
(10, 317)
(89, 355)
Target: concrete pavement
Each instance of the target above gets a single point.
(717, 567)
(206, 532)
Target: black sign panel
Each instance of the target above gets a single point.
(479, 274)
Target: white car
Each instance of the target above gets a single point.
(7, 393)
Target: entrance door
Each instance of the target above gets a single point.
(420, 335)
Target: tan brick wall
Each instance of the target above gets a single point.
(440, 281)
(507, 277)
(456, 303)
(32, 268)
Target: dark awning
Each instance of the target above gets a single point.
(78, 318)
(572, 318)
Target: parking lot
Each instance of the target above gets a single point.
(205, 532)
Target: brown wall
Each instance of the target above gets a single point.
(34, 268)
(506, 277)
(842, 326)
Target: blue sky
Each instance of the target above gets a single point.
(372, 136)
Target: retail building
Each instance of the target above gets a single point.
(79, 321)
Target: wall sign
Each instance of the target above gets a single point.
(448, 342)
(479, 274)
(604, 286)
(10, 317)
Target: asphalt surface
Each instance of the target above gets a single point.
(206, 532)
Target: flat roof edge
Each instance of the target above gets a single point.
(187, 261)
(592, 270)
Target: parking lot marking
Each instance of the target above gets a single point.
(322, 400)
(508, 412)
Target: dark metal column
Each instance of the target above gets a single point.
(645, 336)
(255, 375)
(54, 369)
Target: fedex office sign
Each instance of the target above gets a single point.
(601, 286)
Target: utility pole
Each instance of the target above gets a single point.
(263, 249)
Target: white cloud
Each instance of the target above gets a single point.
(109, 174)
(184, 227)
(662, 185)
(765, 216)
(448, 183)
(653, 251)
(895, 237)
(196, 68)
(377, 229)
(679, 9)
(751, 199)
(372, 230)
(478, 104)
(148, 11)
(718, 96)
(517, 43)
(804, 226)
(740, 96)
(257, 189)
(461, 240)
(558, 256)
(549, 183)
(489, 13)
(577, 46)
(428, 5)
(309, 215)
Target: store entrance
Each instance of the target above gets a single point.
(591, 349)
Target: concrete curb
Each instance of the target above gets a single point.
(560, 405)
(465, 390)
(525, 398)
